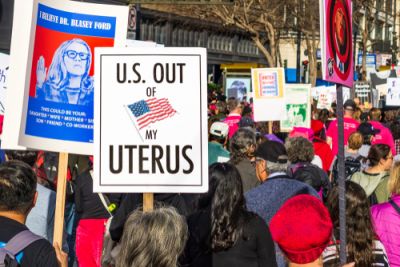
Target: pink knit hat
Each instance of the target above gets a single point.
(302, 228)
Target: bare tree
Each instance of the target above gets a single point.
(363, 19)
(306, 14)
(262, 19)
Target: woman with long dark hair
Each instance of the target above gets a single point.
(223, 232)
(362, 246)
(374, 179)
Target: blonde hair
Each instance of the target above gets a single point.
(355, 141)
(394, 180)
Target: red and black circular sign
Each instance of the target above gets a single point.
(339, 39)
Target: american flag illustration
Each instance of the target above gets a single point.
(151, 110)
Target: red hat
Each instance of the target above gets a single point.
(317, 126)
(302, 227)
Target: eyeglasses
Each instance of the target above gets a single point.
(73, 54)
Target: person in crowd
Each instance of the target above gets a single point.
(234, 116)
(395, 130)
(93, 210)
(248, 122)
(276, 186)
(223, 232)
(242, 146)
(300, 154)
(386, 218)
(362, 246)
(323, 116)
(350, 126)
(17, 197)
(308, 134)
(354, 144)
(217, 140)
(321, 147)
(384, 136)
(357, 114)
(368, 132)
(374, 179)
(390, 117)
(353, 161)
(40, 219)
(153, 238)
(302, 228)
(220, 111)
(68, 79)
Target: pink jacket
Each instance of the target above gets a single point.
(387, 226)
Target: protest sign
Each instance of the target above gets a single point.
(4, 70)
(150, 127)
(336, 41)
(268, 87)
(298, 106)
(237, 87)
(362, 90)
(324, 98)
(393, 92)
(57, 94)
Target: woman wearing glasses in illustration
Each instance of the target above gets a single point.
(67, 80)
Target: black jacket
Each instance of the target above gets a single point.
(132, 201)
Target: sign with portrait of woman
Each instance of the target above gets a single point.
(58, 89)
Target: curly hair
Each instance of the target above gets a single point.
(299, 149)
(154, 238)
(242, 144)
(394, 180)
(359, 229)
(228, 207)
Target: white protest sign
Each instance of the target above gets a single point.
(268, 87)
(324, 97)
(150, 120)
(393, 92)
(298, 106)
(51, 72)
(4, 70)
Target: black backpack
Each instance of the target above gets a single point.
(312, 175)
(351, 166)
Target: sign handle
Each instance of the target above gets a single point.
(270, 127)
(148, 202)
(341, 178)
(60, 199)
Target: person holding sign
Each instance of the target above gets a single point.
(17, 198)
(67, 80)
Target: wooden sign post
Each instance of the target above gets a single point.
(60, 200)
(148, 202)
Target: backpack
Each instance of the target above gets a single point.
(351, 166)
(16, 244)
(312, 175)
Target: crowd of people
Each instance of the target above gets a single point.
(272, 200)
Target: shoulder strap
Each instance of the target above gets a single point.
(397, 208)
(103, 198)
(20, 241)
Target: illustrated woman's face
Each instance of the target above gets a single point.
(76, 57)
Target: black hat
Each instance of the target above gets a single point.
(246, 122)
(366, 128)
(272, 151)
(349, 104)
